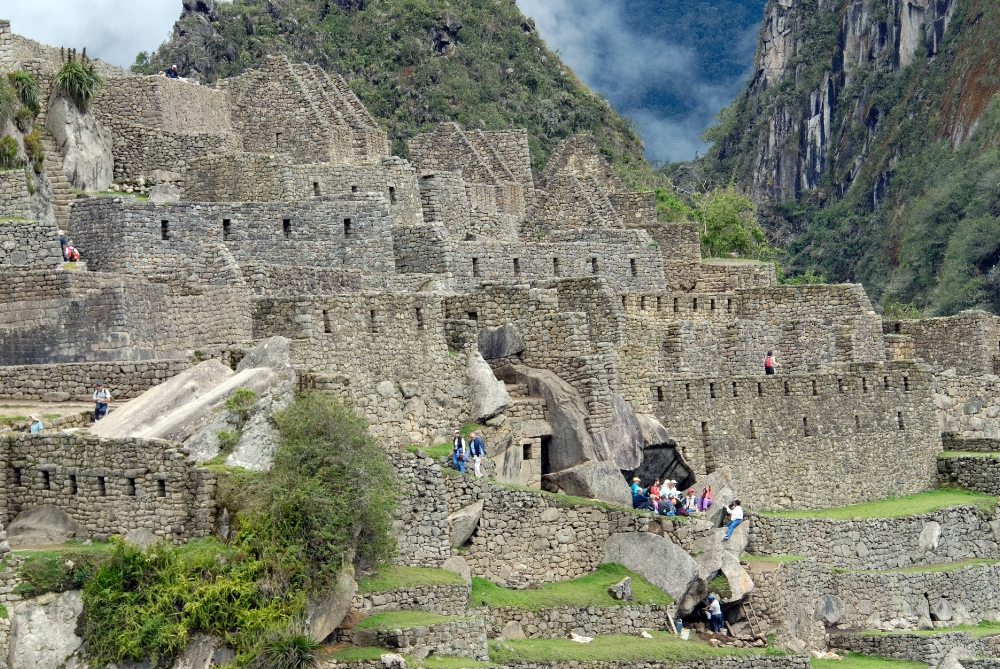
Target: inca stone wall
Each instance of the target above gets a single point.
(719, 662)
(172, 105)
(448, 600)
(72, 316)
(123, 235)
(784, 597)
(870, 428)
(465, 637)
(980, 473)
(968, 409)
(528, 537)
(929, 649)
(109, 486)
(969, 341)
(559, 623)
(13, 194)
(950, 535)
(422, 538)
(29, 243)
(76, 381)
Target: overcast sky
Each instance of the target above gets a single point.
(591, 35)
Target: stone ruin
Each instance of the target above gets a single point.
(591, 342)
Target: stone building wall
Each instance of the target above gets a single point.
(13, 194)
(784, 597)
(387, 351)
(109, 486)
(528, 537)
(123, 235)
(75, 381)
(465, 637)
(967, 342)
(29, 243)
(719, 662)
(288, 280)
(172, 105)
(949, 535)
(968, 409)
(6, 42)
(71, 316)
(870, 428)
(980, 473)
(680, 245)
(559, 623)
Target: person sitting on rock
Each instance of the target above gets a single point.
(691, 502)
(678, 505)
(671, 489)
(705, 498)
(172, 72)
(102, 396)
(654, 494)
(458, 451)
(736, 517)
(637, 489)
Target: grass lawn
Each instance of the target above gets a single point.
(432, 662)
(777, 559)
(968, 454)
(394, 576)
(985, 628)
(926, 569)
(663, 646)
(441, 450)
(859, 661)
(583, 591)
(895, 507)
(399, 619)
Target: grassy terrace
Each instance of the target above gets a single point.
(392, 577)
(400, 619)
(968, 454)
(985, 628)
(663, 646)
(858, 661)
(354, 654)
(896, 507)
(583, 591)
(775, 559)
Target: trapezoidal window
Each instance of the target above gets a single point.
(815, 390)
(642, 302)
(72, 484)
(227, 230)
(348, 227)
(102, 486)
(517, 267)
(805, 427)
(475, 267)
(526, 451)
(594, 267)
(736, 390)
(165, 230)
(677, 304)
(161, 488)
(659, 304)
(286, 227)
(354, 188)
(632, 267)
(46, 480)
(473, 315)
(899, 420)
(661, 394)
(753, 430)
(555, 267)
(316, 189)
(371, 320)
(906, 383)
(392, 195)
(711, 390)
(711, 305)
(420, 317)
(326, 322)
(760, 389)
(17, 475)
(694, 304)
(130, 487)
(687, 390)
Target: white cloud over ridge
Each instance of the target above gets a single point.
(592, 38)
(112, 30)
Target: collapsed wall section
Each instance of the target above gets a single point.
(791, 440)
(109, 486)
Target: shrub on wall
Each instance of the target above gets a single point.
(78, 80)
(24, 119)
(328, 501)
(33, 147)
(8, 153)
(28, 90)
(8, 102)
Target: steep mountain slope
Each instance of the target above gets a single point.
(412, 62)
(868, 135)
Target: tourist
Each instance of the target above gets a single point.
(671, 488)
(705, 498)
(736, 517)
(636, 488)
(476, 451)
(72, 255)
(458, 451)
(62, 243)
(640, 501)
(714, 614)
(654, 494)
(172, 72)
(691, 502)
(678, 505)
(36, 424)
(769, 363)
(101, 398)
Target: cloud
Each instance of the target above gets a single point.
(112, 30)
(647, 78)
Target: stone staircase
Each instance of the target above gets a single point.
(62, 192)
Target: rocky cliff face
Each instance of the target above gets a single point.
(854, 134)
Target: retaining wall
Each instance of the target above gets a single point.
(75, 381)
(448, 600)
(559, 623)
(926, 648)
(981, 473)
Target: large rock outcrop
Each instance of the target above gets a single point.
(657, 559)
(85, 144)
(43, 525)
(43, 630)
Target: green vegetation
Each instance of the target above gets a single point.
(288, 649)
(8, 152)
(33, 147)
(10, 420)
(8, 102)
(24, 119)
(59, 569)
(400, 619)
(968, 454)
(391, 577)
(78, 80)
(589, 590)
(28, 90)
(413, 63)
(720, 586)
(241, 402)
(327, 499)
(895, 507)
(859, 661)
(662, 646)
(444, 450)
(728, 225)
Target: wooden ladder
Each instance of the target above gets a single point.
(752, 619)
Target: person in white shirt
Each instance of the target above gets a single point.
(102, 396)
(714, 613)
(735, 518)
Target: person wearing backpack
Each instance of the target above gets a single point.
(477, 451)
(102, 396)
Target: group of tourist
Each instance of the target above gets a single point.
(667, 500)
(69, 252)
